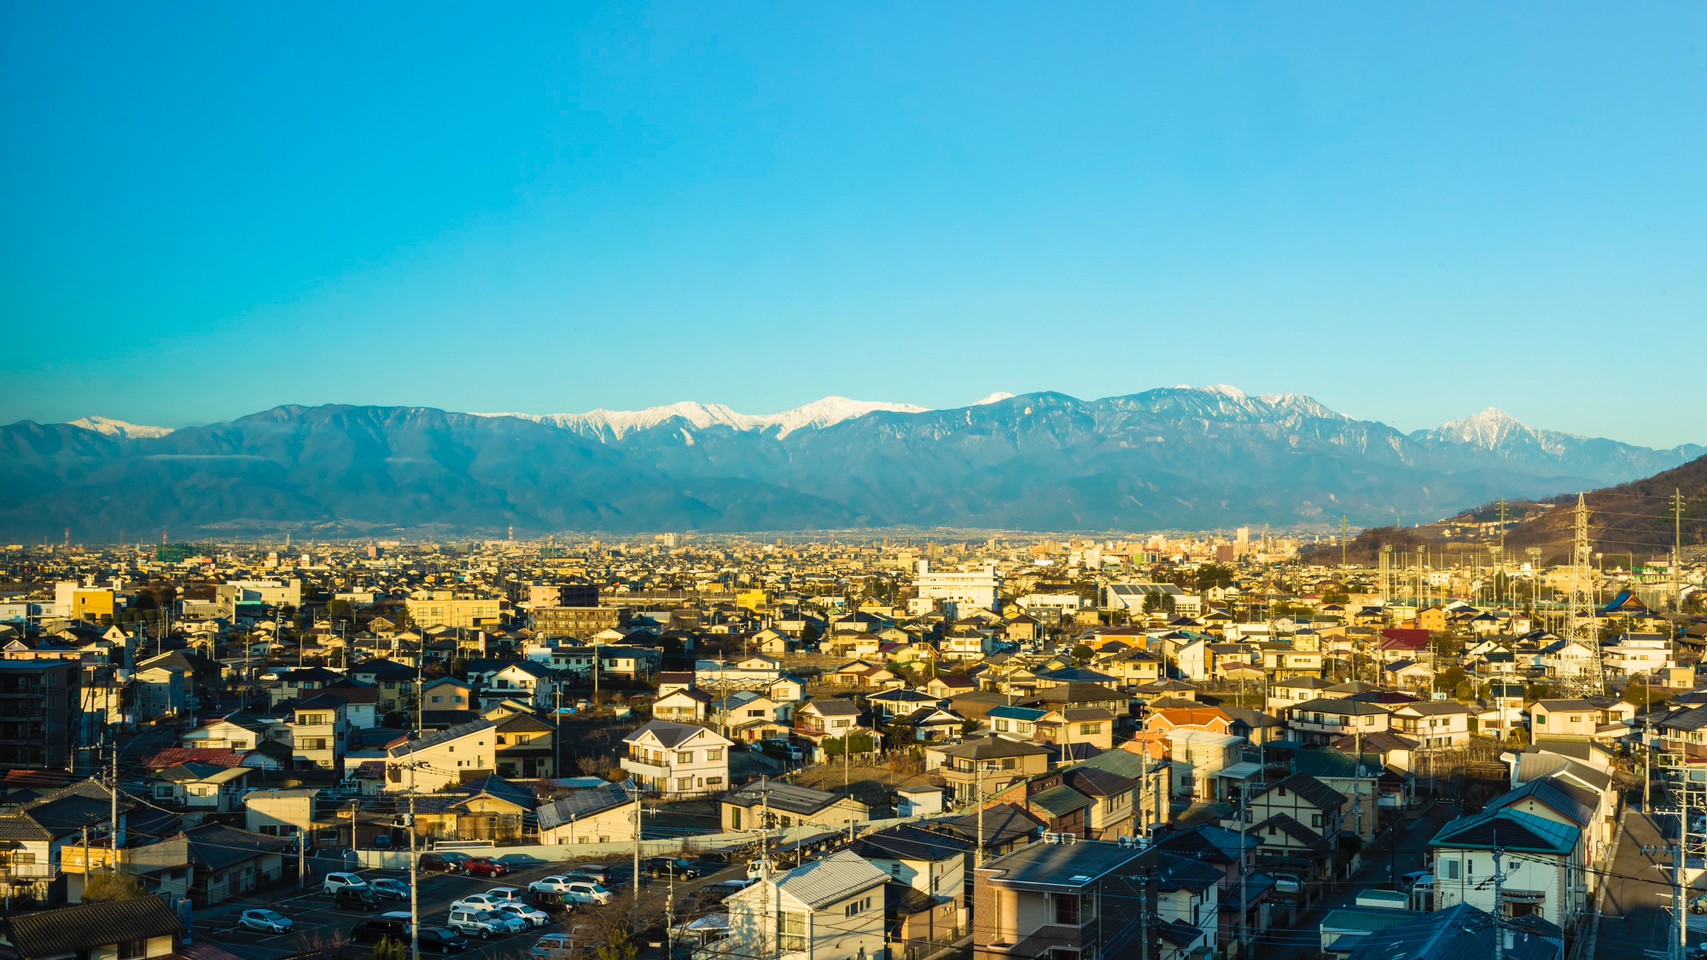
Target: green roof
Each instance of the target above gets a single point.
(1365, 921)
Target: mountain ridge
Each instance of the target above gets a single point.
(1171, 458)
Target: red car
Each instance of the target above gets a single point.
(486, 867)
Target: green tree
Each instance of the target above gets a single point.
(108, 887)
(1158, 602)
(1212, 575)
(1336, 595)
(1082, 654)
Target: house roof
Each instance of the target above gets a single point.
(1510, 830)
(583, 803)
(1460, 932)
(829, 879)
(1312, 791)
(217, 846)
(441, 736)
(1059, 801)
(788, 797)
(72, 930)
(909, 842)
(669, 734)
(1072, 866)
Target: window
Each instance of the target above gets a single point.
(1090, 728)
(713, 781)
(684, 783)
(684, 756)
(857, 907)
(133, 949)
(714, 754)
(791, 932)
(1066, 909)
(1001, 726)
(1449, 869)
(1315, 820)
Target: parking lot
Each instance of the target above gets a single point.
(318, 923)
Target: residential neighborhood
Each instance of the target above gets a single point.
(842, 750)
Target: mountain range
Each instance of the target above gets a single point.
(1173, 458)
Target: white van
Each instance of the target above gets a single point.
(476, 923)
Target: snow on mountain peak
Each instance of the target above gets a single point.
(1221, 389)
(1493, 428)
(118, 428)
(614, 424)
(996, 397)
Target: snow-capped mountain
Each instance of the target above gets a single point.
(1177, 457)
(107, 426)
(613, 425)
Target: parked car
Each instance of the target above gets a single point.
(658, 867)
(472, 922)
(266, 921)
(723, 890)
(356, 898)
(582, 892)
(509, 894)
(558, 946)
(1410, 880)
(528, 915)
(478, 901)
(557, 883)
(375, 929)
(457, 857)
(1287, 883)
(390, 889)
(485, 867)
(597, 872)
(522, 861)
(440, 940)
(436, 863)
(554, 904)
(334, 882)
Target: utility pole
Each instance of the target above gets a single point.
(1676, 550)
(1244, 904)
(302, 855)
(1647, 762)
(637, 805)
(1144, 915)
(979, 861)
(1499, 907)
(414, 878)
(113, 823)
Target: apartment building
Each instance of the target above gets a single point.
(41, 720)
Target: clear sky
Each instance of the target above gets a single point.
(1410, 212)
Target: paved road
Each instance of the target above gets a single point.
(317, 920)
(1301, 940)
(1637, 916)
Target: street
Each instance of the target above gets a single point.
(1637, 916)
(1302, 939)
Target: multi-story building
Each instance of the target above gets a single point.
(577, 622)
(1539, 862)
(1434, 725)
(677, 758)
(443, 758)
(828, 909)
(319, 733)
(40, 713)
(457, 613)
(978, 589)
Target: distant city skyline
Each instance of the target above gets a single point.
(1408, 214)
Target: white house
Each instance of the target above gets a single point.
(442, 758)
(601, 814)
(1540, 865)
(829, 909)
(677, 758)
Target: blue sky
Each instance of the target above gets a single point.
(1410, 214)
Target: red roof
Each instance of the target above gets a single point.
(1403, 638)
(172, 756)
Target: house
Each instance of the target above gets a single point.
(822, 719)
(1299, 820)
(677, 758)
(442, 758)
(237, 731)
(524, 746)
(41, 830)
(1197, 757)
(770, 804)
(228, 864)
(1083, 898)
(280, 813)
(1077, 725)
(931, 863)
(933, 725)
(1561, 801)
(1323, 720)
(600, 814)
(492, 808)
(828, 909)
(681, 705)
(981, 767)
(144, 928)
(1234, 855)
(527, 681)
(1462, 932)
(319, 734)
(1433, 725)
(751, 716)
(1019, 723)
(200, 786)
(1567, 719)
(1538, 859)
(1113, 800)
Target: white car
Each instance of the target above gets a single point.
(553, 884)
(266, 921)
(558, 946)
(581, 891)
(506, 894)
(478, 902)
(342, 881)
(528, 915)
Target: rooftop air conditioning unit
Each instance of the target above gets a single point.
(1051, 837)
(1069, 838)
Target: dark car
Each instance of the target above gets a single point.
(440, 940)
(659, 867)
(356, 898)
(456, 857)
(378, 928)
(554, 905)
(485, 867)
(521, 861)
(435, 863)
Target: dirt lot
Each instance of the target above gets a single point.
(873, 782)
